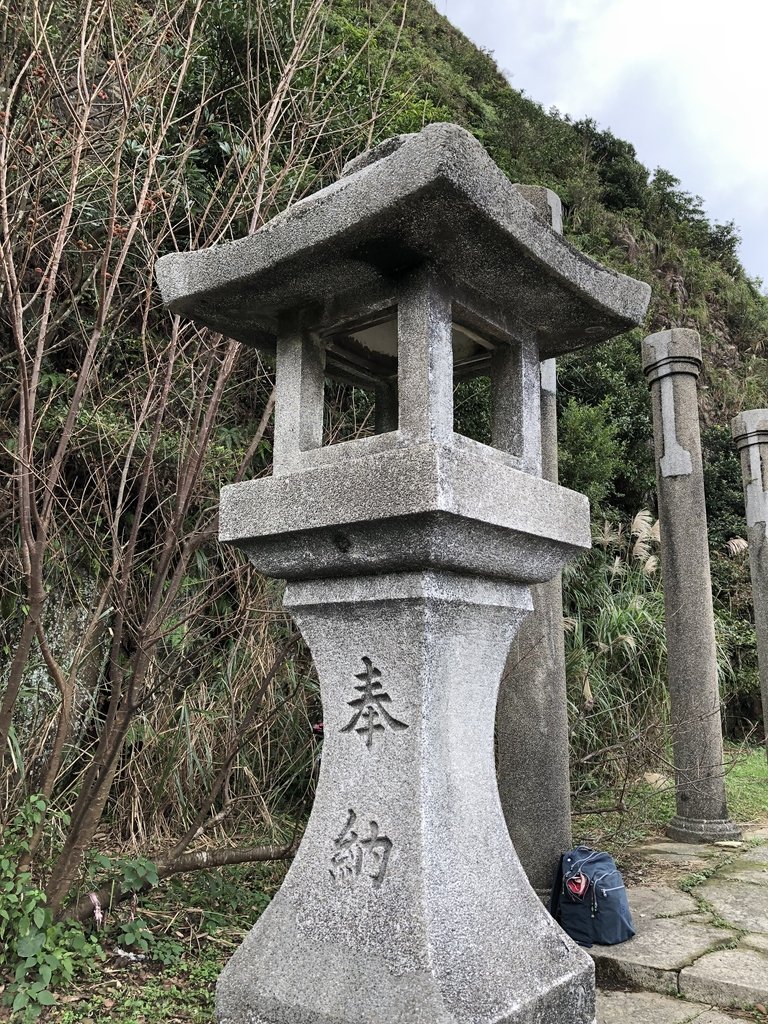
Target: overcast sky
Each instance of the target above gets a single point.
(685, 81)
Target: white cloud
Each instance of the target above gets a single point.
(683, 80)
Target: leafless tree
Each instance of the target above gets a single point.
(119, 141)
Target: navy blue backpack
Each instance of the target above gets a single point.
(589, 899)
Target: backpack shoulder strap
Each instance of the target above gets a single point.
(557, 888)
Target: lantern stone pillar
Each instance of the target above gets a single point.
(409, 557)
(532, 713)
(750, 431)
(672, 361)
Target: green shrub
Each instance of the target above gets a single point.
(590, 450)
(36, 952)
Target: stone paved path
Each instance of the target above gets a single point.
(698, 953)
(651, 1008)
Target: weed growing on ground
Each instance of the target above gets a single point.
(186, 995)
(163, 957)
(747, 784)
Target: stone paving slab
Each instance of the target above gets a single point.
(659, 900)
(741, 903)
(758, 942)
(654, 957)
(756, 874)
(750, 866)
(675, 952)
(757, 855)
(714, 1017)
(677, 852)
(651, 1008)
(730, 977)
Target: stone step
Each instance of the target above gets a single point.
(660, 950)
(651, 1008)
(730, 977)
(688, 953)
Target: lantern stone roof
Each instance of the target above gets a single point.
(430, 198)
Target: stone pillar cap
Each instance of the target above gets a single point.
(677, 350)
(545, 202)
(750, 427)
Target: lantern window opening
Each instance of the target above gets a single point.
(489, 357)
(472, 407)
(361, 368)
(349, 412)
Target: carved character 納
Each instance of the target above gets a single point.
(352, 851)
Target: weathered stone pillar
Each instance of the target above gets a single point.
(532, 713)
(672, 361)
(750, 431)
(409, 557)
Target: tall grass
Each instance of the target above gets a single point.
(616, 657)
(616, 661)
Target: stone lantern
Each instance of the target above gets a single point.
(408, 556)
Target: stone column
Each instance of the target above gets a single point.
(532, 713)
(750, 431)
(672, 361)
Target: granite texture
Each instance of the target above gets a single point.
(457, 507)
(672, 360)
(545, 202)
(434, 197)
(750, 431)
(698, 784)
(532, 722)
(532, 712)
(406, 901)
(300, 386)
(410, 368)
